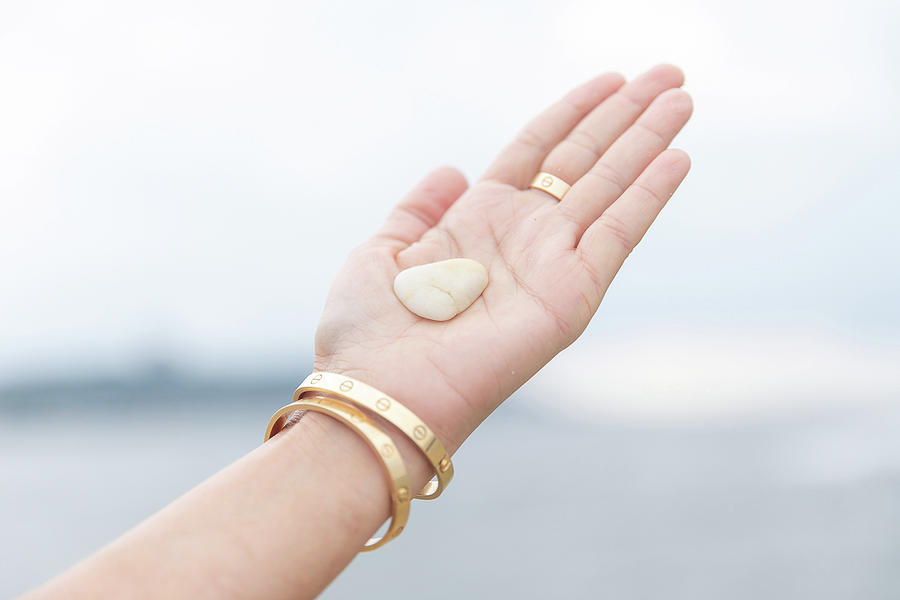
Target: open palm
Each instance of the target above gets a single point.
(550, 262)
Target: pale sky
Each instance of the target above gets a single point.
(183, 180)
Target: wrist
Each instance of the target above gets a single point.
(427, 396)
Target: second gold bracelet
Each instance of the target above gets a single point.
(366, 396)
(379, 441)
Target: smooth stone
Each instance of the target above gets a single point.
(441, 290)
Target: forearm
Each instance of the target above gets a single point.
(282, 522)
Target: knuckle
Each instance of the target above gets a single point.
(530, 138)
(582, 138)
(610, 175)
(649, 193)
(659, 138)
(618, 231)
(629, 103)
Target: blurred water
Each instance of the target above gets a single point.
(539, 508)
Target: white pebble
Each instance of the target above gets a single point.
(441, 290)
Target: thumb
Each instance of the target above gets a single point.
(424, 206)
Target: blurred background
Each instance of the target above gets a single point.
(179, 183)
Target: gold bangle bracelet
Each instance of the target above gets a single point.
(379, 441)
(399, 416)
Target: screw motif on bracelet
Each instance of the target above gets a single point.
(402, 418)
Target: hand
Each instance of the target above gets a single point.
(550, 262)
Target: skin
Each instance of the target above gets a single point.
(283, 521)
(549, 262)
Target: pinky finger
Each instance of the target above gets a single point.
(610, 239)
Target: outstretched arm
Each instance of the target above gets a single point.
(283, 521)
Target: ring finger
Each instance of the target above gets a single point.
(576, 154)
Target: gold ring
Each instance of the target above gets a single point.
(365, 396)
(551, 184)
(379, 441)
